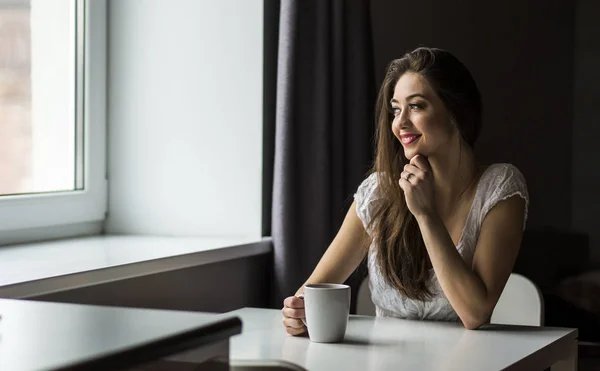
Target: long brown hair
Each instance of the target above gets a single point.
(401, 253)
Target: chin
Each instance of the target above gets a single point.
(412, 152)
(409, 154)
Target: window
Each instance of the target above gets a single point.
(52, 113)
(37, 97)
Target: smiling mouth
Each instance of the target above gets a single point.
(408, 139)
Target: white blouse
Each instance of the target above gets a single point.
(498, 182)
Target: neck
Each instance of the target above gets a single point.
(454, 176)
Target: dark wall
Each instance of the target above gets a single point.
(520, 52)
(586, 124)
(218, 287)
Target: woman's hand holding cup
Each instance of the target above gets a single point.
(293, 315)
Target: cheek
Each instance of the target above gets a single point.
(427, 126)
(436, 132)
(440, 127)
(448, 131)
(443, 133)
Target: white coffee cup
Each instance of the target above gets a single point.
(327, 307)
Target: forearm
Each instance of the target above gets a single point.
(345, 253)
(335, 266)
(463, 288)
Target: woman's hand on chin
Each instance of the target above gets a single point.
(417, 183)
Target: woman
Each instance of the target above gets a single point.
(443, 233)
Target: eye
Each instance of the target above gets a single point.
(415, 106)
(396, 111)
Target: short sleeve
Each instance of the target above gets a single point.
(507, 181)
(364, 197)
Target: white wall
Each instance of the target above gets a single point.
(586, 125)
(185, 117)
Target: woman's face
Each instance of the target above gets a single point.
(421, 122)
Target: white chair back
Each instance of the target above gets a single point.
(364, 304)
(521, 303)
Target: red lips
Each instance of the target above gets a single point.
(409, 138)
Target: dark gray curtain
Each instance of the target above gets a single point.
(323, 129)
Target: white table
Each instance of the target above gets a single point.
(373, 343)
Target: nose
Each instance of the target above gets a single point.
(401, 122)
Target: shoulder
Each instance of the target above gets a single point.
(500, 182)
(501, 178)
(367, 190)
(369, 184)
(365, 196)
(503, 171)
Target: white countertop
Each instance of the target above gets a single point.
(374, 343)
(44, 267)
(50, 336)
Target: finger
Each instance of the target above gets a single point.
(293, 302)
(404, 184)
(409, 177)
(420, 162)
(295, 331)
(292, 322)
(408, 168)
(293, 313)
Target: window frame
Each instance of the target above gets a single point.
(48, 212)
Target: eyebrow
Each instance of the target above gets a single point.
(394, 100)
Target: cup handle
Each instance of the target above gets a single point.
(301, 296)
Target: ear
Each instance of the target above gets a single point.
(454, 125)
(455, 132)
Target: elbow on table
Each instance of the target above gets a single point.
(474, 321)
(472, 325)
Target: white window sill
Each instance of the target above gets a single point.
(40, 268)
